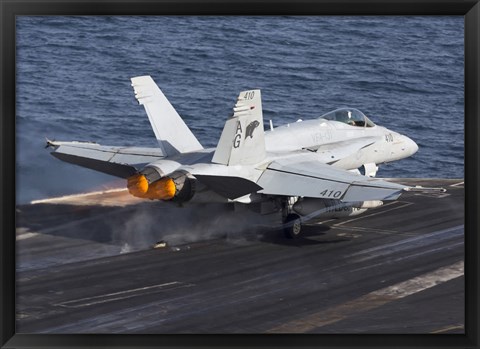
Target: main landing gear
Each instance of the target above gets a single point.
(292, 223)
(292, 226)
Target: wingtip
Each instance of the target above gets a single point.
(49, 143)
(420, 189)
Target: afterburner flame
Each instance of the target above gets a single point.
(163, 189)
(137, 185)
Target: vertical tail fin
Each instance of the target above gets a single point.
(172, 134)
(243, 139)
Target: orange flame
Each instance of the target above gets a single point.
(163, 189)
(137, 185)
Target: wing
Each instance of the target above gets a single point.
(304, 175)
(116, 161)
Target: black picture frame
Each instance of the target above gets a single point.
(10, 9)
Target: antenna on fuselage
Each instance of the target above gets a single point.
(271, 125)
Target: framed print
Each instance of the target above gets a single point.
(239, 174)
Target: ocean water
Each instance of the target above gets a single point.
(405, 73)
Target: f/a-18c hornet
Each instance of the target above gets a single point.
(303, 171)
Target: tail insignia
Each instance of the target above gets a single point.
(250, 128)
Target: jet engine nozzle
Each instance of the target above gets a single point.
(163, 189)
(177, 186)
(185, 185)
(137, 185)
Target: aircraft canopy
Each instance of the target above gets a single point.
(350, 116)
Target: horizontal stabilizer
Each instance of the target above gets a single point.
(229, 187)
(113, 169)
(116, 161)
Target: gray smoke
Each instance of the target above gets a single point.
(149, 223)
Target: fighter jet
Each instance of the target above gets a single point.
(304, 171)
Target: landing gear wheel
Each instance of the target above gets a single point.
(293, 226)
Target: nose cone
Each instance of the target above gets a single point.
(410, 146)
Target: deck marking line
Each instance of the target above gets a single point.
(366, 230)
(457, 184)
(371, 300)
(449, 328)
(403, 204)
(449, 233)
(428, 251)
(25, 236)
(399, 259)
(109, 297)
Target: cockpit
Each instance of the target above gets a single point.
(349, 116)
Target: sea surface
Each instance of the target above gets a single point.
(73, 83)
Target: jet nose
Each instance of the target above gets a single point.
(410, 146)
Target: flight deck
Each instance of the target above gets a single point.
(110, 263)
